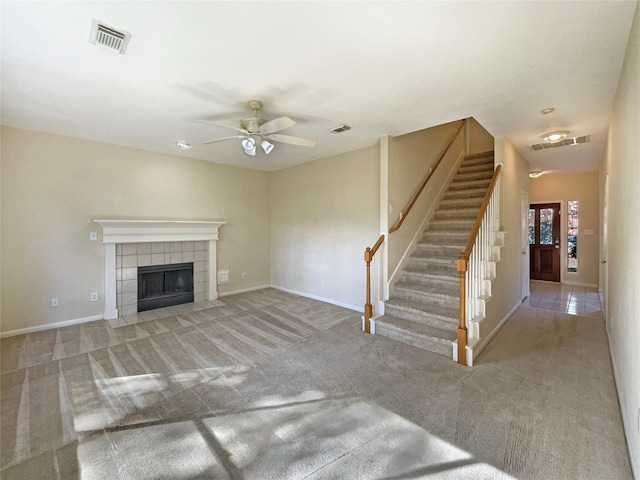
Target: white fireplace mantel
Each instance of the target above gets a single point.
(144, 231)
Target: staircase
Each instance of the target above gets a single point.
(423, 309)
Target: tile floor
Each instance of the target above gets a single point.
(571, 299)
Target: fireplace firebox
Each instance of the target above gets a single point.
(164, 285)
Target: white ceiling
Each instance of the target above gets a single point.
(384, 68)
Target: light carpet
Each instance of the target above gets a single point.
(272, 385)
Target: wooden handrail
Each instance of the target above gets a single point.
(368, 308)
(462, 263)
(405, 212)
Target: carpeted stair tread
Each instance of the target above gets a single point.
(469, 176)
(441, 316)
(466, 193)
(451, 224)
(457, 214)
(437, 249)
(469, 185)
(428, 338)
(434, 257)
(432, 268)
(442, 294)
(444, 237)
(420, 273)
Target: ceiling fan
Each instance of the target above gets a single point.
(255, 126)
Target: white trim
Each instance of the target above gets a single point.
(50, 326)
(321, 299)
(243, 290)
(372, 324)
(142, 231)
(110, 290)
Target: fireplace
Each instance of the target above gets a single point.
(159, 233)
(164, 285)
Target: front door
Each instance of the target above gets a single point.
(544, 241)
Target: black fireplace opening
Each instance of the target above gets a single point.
(164, 285)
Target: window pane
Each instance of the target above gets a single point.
(572, 236)
(546, 226)
(532, 226)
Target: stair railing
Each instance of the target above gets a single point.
(472, 262)
(368, 308)
(370, 252)
(432, 170)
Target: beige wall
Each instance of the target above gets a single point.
(622, 292)
(410, 158)
(506, 289)
(323, 215)
(52, 189)
(477, 138)
(583, 187)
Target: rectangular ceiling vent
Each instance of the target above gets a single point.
(340, 129)
(108, 37)
(562, 143)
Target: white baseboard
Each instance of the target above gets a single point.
(50, 326)
(243, 290)
(321, 299)
(372, 324)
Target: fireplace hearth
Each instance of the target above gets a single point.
(164, 285)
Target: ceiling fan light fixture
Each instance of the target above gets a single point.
(249, 146)
(249, 143)
(555, 136)
(267, 146)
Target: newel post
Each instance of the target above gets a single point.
(462, 325)
(368, 308)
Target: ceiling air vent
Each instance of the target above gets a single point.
(340, 129)
(108, 37)
(562, 143)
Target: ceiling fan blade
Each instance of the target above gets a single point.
(276, 125)
(222, 139)
(225, 126)
(303, 142)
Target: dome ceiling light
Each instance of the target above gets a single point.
(554, 137)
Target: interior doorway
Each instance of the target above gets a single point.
(544, 241)
(524, 242)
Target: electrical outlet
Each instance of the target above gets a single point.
(244, 275)
(54, 302)
(94, 297)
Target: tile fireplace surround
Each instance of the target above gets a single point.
(177, 240)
